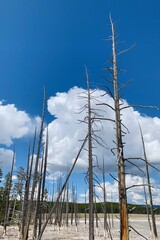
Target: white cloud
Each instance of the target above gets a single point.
(135, 192)
(54, 177)
(15, 124)
(6, 157)
(65, 132)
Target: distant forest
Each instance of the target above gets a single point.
(112, 208)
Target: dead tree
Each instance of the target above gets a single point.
(35, 175)
(27, 190)
(92, 117)
(67, 205)
(74, 212)
(147, 208)
(117, 108)
(62, 189)
(85, 213)
(104, 199)
(107, 226)
(149, 187)
(124, 232)
(90, 161)
(43, 181)
(8, 190)
(59, 205)
(37, 212)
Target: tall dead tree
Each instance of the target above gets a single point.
(43, 181)
(8, 190)
(124, 232)
(91, 120)
(62, 189)
(27, 188)
(90, 161)
(149, 187)
(38, 199)
(35, 174)
(107, 226)
(67, 205)
(104, 199)
(147, 208)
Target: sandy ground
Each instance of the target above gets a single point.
(138, 222)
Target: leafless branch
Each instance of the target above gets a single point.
(136, 166)
(138, 232)
(126, 50)
(103, 118)
(106, 104)
(124, 85)
(142, 159)
(106, 79)
(136, 185)
(113, 177)
(141, 106)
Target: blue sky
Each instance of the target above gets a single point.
(48, 43)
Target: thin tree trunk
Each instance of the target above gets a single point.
(147, 209)
(38, 200)
(35, 176)
(90, 160)
(149, 187)
(124, 233)
(85, 214)
(104, 199)
(67, 204)
(43, 182)
(25, 216)
(7, 210)
(112, 210)
(63, 187)
(96, 214)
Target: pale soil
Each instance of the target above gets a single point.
(138, 222)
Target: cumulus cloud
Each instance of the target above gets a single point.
(15, 124)
(6, 157)
(54, 177)
(66, 131)
(135, 192)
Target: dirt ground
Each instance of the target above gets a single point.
(138, 222)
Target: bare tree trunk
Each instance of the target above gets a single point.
(75, 206)
(112, 210)
(124, 233)
(85, 214)
(37, 208)
(63, 187)
(51, 219)
(7, 210)
(24, 231)
(25, 200)
(147, 209)
(35, 176)
(96, 214)
(90, 160)
(58, 205)
(67, 204)
(72, 212)
(149, 187)
(107, 226)
(43, 182)
(104, 198)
